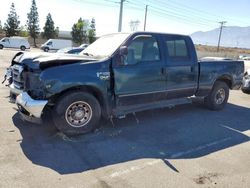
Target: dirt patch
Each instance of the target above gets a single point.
(206, 178)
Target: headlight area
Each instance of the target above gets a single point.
(247, 77)
(34, 86)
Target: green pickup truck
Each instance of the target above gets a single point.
(116, 75)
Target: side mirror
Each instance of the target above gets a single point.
(123, 50)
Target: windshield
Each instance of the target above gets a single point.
(105, 46)
(2, 40)
(49, 43)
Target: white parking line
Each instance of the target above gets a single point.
(134, 168)
(247, 132)
(179, 154)
(156, 161)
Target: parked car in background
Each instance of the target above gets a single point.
(215, 59)
(15, 42)
(71, 50)
(56, 44)
(83, 46)
(246, 58)
(246, 82)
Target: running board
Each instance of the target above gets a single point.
(123, 110)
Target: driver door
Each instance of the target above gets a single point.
(7, 43)
(140, 78)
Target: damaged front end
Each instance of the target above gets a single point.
(8, 77)
(31, 101)
(13, 77)
(26, 89)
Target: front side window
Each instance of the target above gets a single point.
(142, 49)
(177, 49)
(49, 43)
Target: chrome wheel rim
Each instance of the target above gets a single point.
(78, 114)
(220, 96)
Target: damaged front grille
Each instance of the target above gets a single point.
(17, 77)
(23, 80)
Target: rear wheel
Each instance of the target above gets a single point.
(77, 113)
(218, 97)
(1, 46)
(23, 48)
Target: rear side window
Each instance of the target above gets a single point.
(177, 49)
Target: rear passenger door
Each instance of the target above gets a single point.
(181, 66)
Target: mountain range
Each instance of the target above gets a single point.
(232, 36)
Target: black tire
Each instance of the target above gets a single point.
(46, 49)
(23, 48)
(76, 113)
(247, 91)
(1, 47)
(218, 97)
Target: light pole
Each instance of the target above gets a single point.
(221, 27)
(120, 16)
(145, 19)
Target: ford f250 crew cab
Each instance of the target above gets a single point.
(117, 75)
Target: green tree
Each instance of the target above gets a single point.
(92, 32)
(1, 28)
(49, 30)
(79, 32)
(23, 32)
(11, 26)
(33, 22)
(57, 32)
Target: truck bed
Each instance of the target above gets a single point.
(209, 71)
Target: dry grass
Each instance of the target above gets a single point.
(205, 51)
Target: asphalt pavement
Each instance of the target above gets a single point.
(186, 146)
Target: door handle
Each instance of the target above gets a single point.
(192, 68)
(163, 71)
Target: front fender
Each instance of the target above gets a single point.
(61, 78)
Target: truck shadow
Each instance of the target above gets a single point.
(184, 132)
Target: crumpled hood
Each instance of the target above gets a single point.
(42, 60)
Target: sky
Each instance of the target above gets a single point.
(172, 16)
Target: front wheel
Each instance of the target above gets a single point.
(247, 91)
(218, 97)
(46, 49)
(1, 46)
(77, 113)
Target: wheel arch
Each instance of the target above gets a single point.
(89, 89)
(227, 79)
